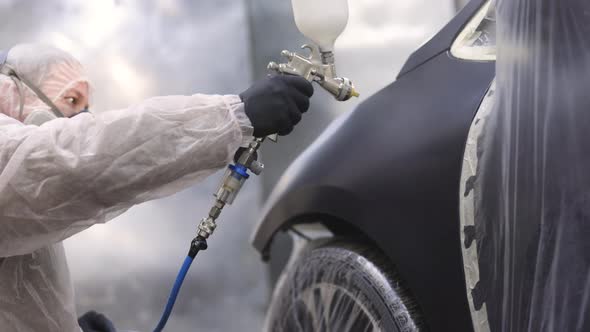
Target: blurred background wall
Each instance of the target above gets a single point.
(135, 49)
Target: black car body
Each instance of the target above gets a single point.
(389, 172)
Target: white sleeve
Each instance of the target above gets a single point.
(68, 174)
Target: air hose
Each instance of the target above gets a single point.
(233, 180)
(197, 245)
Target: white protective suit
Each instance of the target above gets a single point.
(62, 177)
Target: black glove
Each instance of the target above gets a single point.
(92, 321)
(274, 105)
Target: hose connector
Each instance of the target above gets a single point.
(206, 227)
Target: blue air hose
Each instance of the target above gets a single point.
(174, 293)
(197, 244)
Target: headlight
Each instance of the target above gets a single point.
(477, 41)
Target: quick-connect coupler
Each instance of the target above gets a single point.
(206, 227)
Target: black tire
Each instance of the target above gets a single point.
(341, 287)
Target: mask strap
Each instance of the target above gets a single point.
(21, 95)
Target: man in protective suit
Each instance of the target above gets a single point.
(64, 169)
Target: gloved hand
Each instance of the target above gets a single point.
(92, 321)
(274, 105)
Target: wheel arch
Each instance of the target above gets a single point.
(333, 207)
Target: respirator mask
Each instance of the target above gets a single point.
(37, 116)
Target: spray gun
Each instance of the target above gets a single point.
(313, 69)
(322, 22)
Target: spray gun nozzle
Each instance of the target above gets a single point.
(273, 66)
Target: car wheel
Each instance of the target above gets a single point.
(339, 286)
